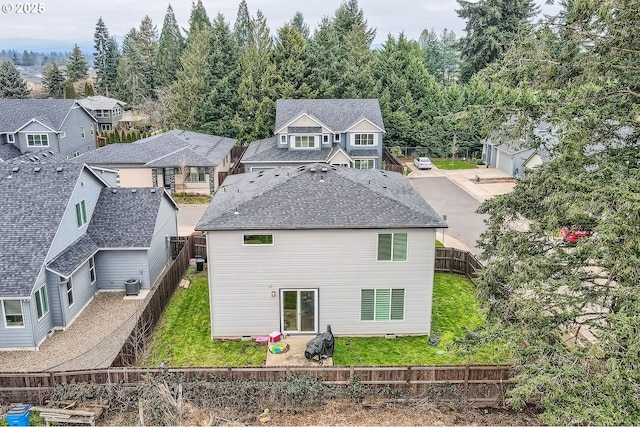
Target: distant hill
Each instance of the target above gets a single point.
(47, 46)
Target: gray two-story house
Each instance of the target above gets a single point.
(59, 125)
(344, 132)
(67, 235)
(107, 111)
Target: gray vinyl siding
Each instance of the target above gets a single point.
(72, 127)
(43, 326)
(339, 263)
(114, 267)
(55, 303)
(17, 337)
(36, 128)
(166, 225)
(88, 189)
(83, 292)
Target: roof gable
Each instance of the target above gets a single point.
(16, 113)
(336, 114)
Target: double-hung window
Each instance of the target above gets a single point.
(81, 213)
(13, 317)
(364, 163)
(69, 286)
(42, 303)
(363, 139)
(92, 270)
(37, 140)
(392, 247)
(11, 138)
(305, 141)
(382, 304)
(196, 174)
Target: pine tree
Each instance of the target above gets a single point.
(147, 47)
(105, 60)
(53, 81)
(69, 90)
(170, 48)
(88, 90)
(348, 16)
(291, 60)
(492, 26)
(76, 65)
(256, 111)
(242, 27)
(298, 23)
(198, 19)
(12, 85)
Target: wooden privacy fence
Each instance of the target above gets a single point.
(480, 385)
(199, 245)
(457, 261)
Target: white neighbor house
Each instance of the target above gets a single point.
(302, 248)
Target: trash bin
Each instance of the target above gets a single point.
(132, 287)
(199, 264)
(19, 415)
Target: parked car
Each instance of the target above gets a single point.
(423, 163)
(572, 235)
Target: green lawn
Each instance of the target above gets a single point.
(439, 244)
(450, 164)
(183, 198)
(183, 335)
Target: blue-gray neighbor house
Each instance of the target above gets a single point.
(300, 248)
(341, 132)
(107, 111)
(66, 236)
(177, 160)
(60, 125)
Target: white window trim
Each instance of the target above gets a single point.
(81, 214)
(62, 134)
(46, 298)
(375, 301)
(336, 137)
(367, 159)
(393, 237)
(68, 287)
(353, 139)
(325, 138)
(315, 142)
(259, 244)
(39, 134)
(11, 138)
(4, 315)
(283, 139)
(92, 267)
(82, 132)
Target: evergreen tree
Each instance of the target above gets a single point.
(348, 16)
(76, 65)
(130, 83)
(69, 90)
(492, 26)
(105, 59)
(256, 110)
(222, 100)
(170, 48)
(53, 81)
(299, 24)
(12, 85)
(88, 90)
(242, 28)
(147, 47)
(324, 52)
(188, 93)
(199, 19)
(291, 60)
(440, 55)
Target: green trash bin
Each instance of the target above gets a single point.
(19, 415)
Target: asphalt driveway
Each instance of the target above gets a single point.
(449, 199)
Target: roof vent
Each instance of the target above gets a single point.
(312, 169)
(252, 181)
(153, 190)
(38, 169)
(133, 190)
(236, 211)
(324, 169)
(114, 191)
(16, 169)
(59, 169)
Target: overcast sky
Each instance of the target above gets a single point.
(75, 20)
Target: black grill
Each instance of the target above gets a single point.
(321, 346)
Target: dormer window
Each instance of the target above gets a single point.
(283, 139)
(363, 139)
(37, 140)
(336, 137)
(11, 138)
(305, 141)
(325, 139)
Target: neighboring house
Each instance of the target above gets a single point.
(133, 120)
(177, 160)
(298, 249)
(67, 235)
(60, 125)
(107, 111)
(344, 132)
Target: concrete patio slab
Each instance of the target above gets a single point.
(294, 356)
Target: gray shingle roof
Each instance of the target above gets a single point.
(170, 149)
(338, 114)
(99, 102)
(18, 112)
(364, 153)
(265, 150)
(31, 207)
(8, 152)
(74, 256)
(40, 156)
(125, 217)
(298, 198)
